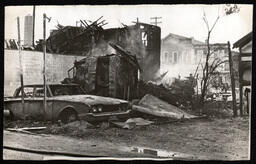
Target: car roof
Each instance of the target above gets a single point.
(36, 85)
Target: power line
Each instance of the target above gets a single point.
(156, 20)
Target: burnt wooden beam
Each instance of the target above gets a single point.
(132, 59)
(245, 54)
(83, 23)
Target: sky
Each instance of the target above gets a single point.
(185, 20)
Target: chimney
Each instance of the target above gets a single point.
(28, 30)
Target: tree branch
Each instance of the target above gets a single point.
(205, 20)
(214, 23)
(217, 65)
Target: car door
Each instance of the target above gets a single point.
(38, 103)
(20, 109)
(33, 104)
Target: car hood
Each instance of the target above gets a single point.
(89, 99)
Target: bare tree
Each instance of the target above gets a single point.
(209, 67)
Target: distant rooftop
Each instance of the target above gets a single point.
(194, 41)
(243, 41)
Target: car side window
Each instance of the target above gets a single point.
(39, 92)
(62, 91)
(28, 92)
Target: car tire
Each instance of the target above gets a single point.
(68, 116)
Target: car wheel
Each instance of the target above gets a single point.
(68, 116)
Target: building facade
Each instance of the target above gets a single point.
(182, 56)
(245, 72)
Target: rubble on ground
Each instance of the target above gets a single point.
(76, 128)
(132, 123)
(158, 91)
(179, 93)
(153, 106)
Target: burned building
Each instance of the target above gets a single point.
(144, 41)
(140, 39)
(111, 75)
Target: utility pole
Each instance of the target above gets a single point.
(232, 81)
(44, 51)
(21, 68)
(33, 35)
(155, 22)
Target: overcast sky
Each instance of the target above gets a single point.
(183, 20)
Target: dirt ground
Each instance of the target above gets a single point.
(215, 138)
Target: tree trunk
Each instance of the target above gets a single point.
(232, 81)
(206, 76)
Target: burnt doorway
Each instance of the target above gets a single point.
(102, 76)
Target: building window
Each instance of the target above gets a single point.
(170, 58)
(144, 38)
(188, 58)
(166, 54)
(175, 56)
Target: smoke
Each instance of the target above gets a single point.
(137, 40)
(181, 70)
(102, 48)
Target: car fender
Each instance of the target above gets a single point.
(70, 107)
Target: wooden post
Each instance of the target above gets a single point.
(128, 93)
(240, 83)
(232, 81)
(44, 52)
(21, 68)
(33, 35)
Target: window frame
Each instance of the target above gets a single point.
(175, 53)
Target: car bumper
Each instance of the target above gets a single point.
(104, 116)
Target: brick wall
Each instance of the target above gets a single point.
(56, 68)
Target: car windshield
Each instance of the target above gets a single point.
(58, 90)
(32, 91)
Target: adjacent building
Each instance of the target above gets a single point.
(245, 71)
(182, 56)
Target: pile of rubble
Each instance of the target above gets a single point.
(179, 93)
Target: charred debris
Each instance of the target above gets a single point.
(91, 39)
(119, 62)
